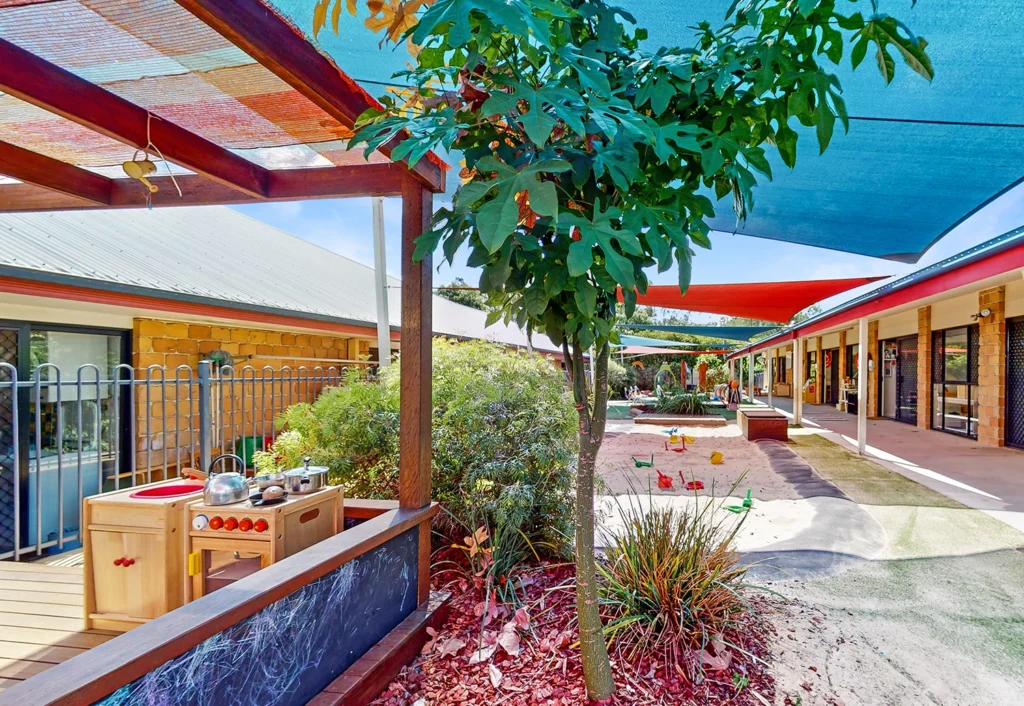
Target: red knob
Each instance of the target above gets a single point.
(118, 562)
(216, 522)
(260, 525)
(245, 524)
(230, 524)
(129, 562)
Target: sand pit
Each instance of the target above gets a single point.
(620, 475)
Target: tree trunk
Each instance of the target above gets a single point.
(597, 671)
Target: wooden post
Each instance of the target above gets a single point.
(819, 373)
(862, 385)
(416, 406)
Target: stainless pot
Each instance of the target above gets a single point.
(265, 480)
(307, 479)
(225, 488)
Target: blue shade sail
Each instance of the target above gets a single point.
(919, 158)
(727, 333)
(627, 340)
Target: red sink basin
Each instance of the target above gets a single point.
(168, 491)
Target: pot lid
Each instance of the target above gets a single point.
(305, 470)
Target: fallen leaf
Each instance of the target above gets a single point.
(716, 663)
(522, 618)
(450, 647)
(482, 655)
(495, 674)
(429, 645)
(805, 686)
(508, 638)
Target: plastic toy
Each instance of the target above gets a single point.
(716, 458)
(643, 464)
(747, 505)
(664, 481)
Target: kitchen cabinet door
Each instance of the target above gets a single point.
(129, 569)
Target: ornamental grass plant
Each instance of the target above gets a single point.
(671, 584)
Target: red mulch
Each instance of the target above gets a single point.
(547, 671)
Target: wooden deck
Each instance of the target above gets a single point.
(40, 619)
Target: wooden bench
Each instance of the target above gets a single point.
(763, 424)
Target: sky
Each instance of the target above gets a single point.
(344, 226)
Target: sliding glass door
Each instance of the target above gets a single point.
(955, 381)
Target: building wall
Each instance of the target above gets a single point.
(167, 411)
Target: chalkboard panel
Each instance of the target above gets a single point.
(289, 651)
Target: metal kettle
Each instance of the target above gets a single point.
(225, 488)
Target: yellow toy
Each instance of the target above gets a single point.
(673, 438)
(716, 458)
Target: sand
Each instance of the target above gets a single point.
(619, 475)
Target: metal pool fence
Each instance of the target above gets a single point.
(66, 435)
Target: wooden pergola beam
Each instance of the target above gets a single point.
(285, 185)
(265, 36)
(34, 80)
(53, 174)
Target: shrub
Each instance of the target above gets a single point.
(504, 438)
(681, 402)
(618, 379)
(671, 583)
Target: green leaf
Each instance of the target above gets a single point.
(685, 269)
(586, 299)
(619, 159)
(684, 137)
(457, 15)
(536, 300)
(601, 232)
(497, 218)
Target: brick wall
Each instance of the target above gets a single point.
(992, 368)
(167, 420)
(819, 375)
(842, 357)
(924, 367)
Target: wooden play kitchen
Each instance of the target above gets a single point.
(151, 549)
(134, 543)
(228, 542)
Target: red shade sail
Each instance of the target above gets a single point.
(768, 301)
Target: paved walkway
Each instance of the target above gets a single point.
(981, 477)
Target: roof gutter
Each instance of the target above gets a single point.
(17, 280)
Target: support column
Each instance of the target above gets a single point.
(415, 401)
(819, 369)
(924, 367)
(992, 368)
(868, 352)
(842, 356)
(769, 374)
(798, 374)
(862, 385)
(750, 375)
(380, 271)
(415, 405)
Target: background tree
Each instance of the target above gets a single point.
(460, 292)
(590, 159)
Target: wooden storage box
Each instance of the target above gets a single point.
(763, 424)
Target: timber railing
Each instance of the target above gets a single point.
(287, 630)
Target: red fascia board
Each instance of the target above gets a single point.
(49, 290)
(997, 264)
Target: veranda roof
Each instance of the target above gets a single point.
(627, 340)
(918, 159)
(768, 301)
(237, 100)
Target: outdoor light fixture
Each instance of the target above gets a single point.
(982, 314)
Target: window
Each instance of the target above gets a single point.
(851, 362)
(954, 381)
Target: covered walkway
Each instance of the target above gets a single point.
(982, 477)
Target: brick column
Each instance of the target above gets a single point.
(924, 367)
(819, 368)
(871, 350)
(992, 368)
(842, 357)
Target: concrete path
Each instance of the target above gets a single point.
(980, 477)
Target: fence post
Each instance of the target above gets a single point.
(204, 415)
